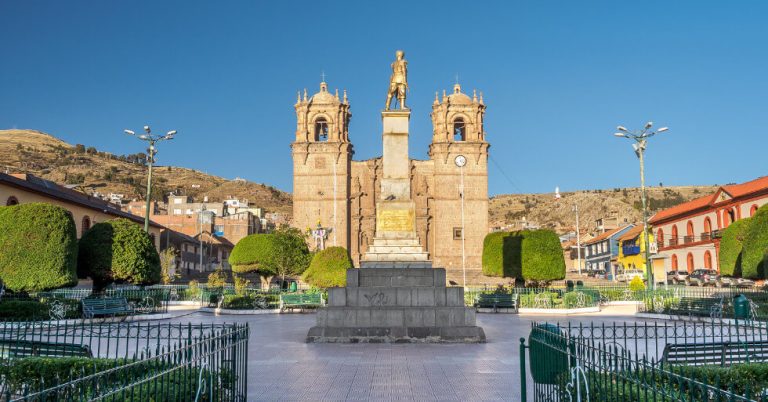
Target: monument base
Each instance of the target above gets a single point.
(396, 305)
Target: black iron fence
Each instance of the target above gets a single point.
(123, 361)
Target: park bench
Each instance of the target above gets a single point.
(715, 353)
(106, 306)
(11, 348)
(701, 307)
(300, 300)
(496, 301)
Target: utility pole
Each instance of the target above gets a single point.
(641, 141)
(578, 237)
(460, 161)
(151, 152)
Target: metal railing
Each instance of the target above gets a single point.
(128, 361)
(628, 362)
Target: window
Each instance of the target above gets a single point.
(457, 234)
(689, 228)
(177, 211)
(321, 130)
(674, 262)
(12, 201)
(673, 240)
(752, 210)
(177, 200)
(707, 260)
(660, 238)
(86, 224)
(459, 130)
(689, 262)
(707, 225)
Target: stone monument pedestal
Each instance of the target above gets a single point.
(396, 305)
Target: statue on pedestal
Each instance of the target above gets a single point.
(398, 82)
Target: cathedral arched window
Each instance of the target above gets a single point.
(459, 130)
(85, 225)
(321, 130)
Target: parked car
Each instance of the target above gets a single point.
(675, 277)
(629, 274)
(735, 282)
(702, 277)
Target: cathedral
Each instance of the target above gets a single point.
(335, 192)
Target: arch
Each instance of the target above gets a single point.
(660, 238)
(707, 260)
(689, 231)
(707, 225)
(85, 224)
(459, 129)
(674, 262)
(689, 262)
(11, 201)
(320, 133)
(753, 209)
(673, 239)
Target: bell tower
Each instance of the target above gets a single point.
(457, 122)
(322, 156)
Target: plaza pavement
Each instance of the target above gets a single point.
(282, 367)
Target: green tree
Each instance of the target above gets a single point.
(167, 259)
(328, 268)
(251, 254)
(217, 279)
(531, 255)
(118, 250)
(38, 247)
(731, 247)
(290, 254)
(756, 246)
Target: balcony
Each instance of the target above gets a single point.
(673, 242)
(630, 250)
(706, 236)
(688, 239)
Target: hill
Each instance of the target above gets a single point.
(557, 214)
(48, 157)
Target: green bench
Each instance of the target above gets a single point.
(106, 306)
(496, 301)
(10, 348)
(711, 307)
(300, 300)
(716, 353)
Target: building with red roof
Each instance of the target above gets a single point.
(689, 233)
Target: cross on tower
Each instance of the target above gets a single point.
(322, 75)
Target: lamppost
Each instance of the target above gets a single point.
(578, 237)
(641, 140)
(460, 161)
(151, 152)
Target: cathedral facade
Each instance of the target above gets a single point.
(332, 191)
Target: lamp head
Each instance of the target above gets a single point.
(648, 125)
(620, 135)
(129, 132)
(147, 129)
(621, 128)
(171, 133)
(143, 137)
(663, 129)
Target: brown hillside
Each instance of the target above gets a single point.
(48, 157)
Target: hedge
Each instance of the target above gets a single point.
(38, 247)
(24, 310)
(533, 255)
(328, 268)
(755, 245)
(118, 250)
(731, 245)
(251, 253)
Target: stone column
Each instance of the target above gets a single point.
(396, 180)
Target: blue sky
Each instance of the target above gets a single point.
(558, 76)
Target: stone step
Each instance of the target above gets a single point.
(379, 334)
(352, 317)
(395, 264)
(396, 257)
(395, 242)
(391, 249)
(396, 297)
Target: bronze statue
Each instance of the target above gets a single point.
(398, 82)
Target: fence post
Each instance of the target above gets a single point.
(523, 374)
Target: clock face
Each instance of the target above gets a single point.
(460, 161)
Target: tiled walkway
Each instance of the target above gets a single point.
(284, 368)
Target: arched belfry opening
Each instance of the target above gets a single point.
(459, 129)
(321, 130)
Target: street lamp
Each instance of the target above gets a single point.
(151, 152)
(641, 141)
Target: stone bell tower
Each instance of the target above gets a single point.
(457, 122)
(322, 155)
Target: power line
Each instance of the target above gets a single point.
(503, 173)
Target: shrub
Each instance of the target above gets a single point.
(23, 310)
(241, 284)
(636, 284)
(217, 279)
(38, 247)
(118, 250)
(755, 245)
(193, 289)
(532, 255)
(251, 253)
(571, 299)
(731, 245)
(328, 268)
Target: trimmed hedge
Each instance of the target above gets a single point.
(252, 253)
(38, 247)
(731, 246)
(532, 255)
(755, 246)
(328, 268)
(118, 250)
(23, 310)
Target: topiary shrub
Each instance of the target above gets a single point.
(541, 256)
(118, 250)
(328, 268)
(755, 245)
(38, 247)
(493, 255)
(252, 254)
(731, 246)
(23, 310)
(636, 284)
